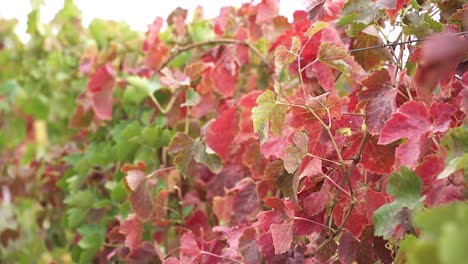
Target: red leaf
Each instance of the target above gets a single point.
(429, 169)
(173, 78)
(248, 247)
(437, 63)
(131, 228)
(155, 50)
(312, 167)
(225, 71)
(378, 158)
(266, 218)
(101, 87)
(221, 21)
(198, 223)
(267, 10)
(316, 201)
(347, 248)
(282, 235)
(265, 242)
(242, 52)
(325, 10)
(411, 122)
(357, 220)
(189, 249)
(140, 196)
(222, 131)
(380, 99)
(274, 202)
(324, 75)
(245, 200)
(209, 103)
(374, 201)
(225, 180)
(441, 114)
(394, 8)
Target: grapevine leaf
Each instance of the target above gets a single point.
(268, 110)
(334, 57)
(316, 201)
(455, 143)
(222, 131)
(294, 154)
(380, 99)
(406, 187)
(324, 10)
(189, 249)
(248, 247)
(222, 208)
(315, 28)
(184, 149)
(101, 87)
(131, 228)
(267, 10)
(347, 248)
(372, 58)
(282, 235)
(138, 186)
(411, 122)
(442, 238)
(191, 98)
(245, 200)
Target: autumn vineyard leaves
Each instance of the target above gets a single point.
(336, 137)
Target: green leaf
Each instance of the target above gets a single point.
(149, 86)
(117, 190)
(191, 98)
(81, 199)
(92, 238)
(76, 216)
(200, 31)
(406, 187)
(334, 57)
(443, 236)
(14, 133)
(420, 25)
(455, 143)
(358, 11)
(133, 95)
(268, 110)
(127, 141)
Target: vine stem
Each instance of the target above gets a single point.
(327, 129)
(221, 257)
(356, 160)
(156, 172)
(188, 47)
(400, 43)
(313, 222)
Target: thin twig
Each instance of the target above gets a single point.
(400, 43)
(221, 257)
(155, 172)
(313, 222)
(188, 47)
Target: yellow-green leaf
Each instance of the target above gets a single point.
(268, 110)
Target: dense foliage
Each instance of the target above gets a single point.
(241, 139)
